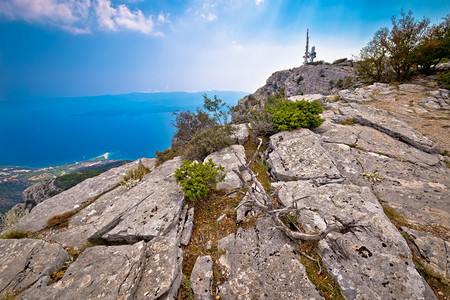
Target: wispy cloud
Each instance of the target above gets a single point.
(79, 16)
(259, 2)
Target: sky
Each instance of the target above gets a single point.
(71, 48)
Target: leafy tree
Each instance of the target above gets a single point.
(434, 46)
(372, 60)
(219, 109)
(404, 36)
(188, 124)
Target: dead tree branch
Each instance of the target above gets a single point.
(259, 198)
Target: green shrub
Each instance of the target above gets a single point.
(443, 80)
(134, 176)
(208, 141)
(164, 156)
(300, 79)
(288, 115)
(197, 179)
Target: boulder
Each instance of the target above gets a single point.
(372, 262)
(260, 263)
(27, 261)
(231, 158)
(309, 98)
(298, 155)
(202, 278)
(241, 134)
(100, 272)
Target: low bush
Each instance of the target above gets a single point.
(11, 217)
(290, 115)
(207, 142)
(197, 179)
(134, 176)
(67, 181)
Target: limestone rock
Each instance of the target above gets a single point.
(241, 134)
(202, 278)
(372, 140)
(27, 261)
(158, 210)
(298, 155)
(230, 158)
(309, 98)
(388, 123)
(161, 277)
(433, 250)
(188, 226)
(99, 272)
(73, 198)
(412, 88)
(358, 95)
(156, 190)
(260, 264)
(371, 263)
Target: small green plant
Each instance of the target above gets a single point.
(288, 115)
(134, 176)
(374, 177)
(197, 179)
(349, 121)
(443, 80)
(10, 218)
(15, 234)
(300, 79)
(208, 141)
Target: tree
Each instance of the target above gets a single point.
(404, 36)
(435, 46)
(219, 109)
(372, 60)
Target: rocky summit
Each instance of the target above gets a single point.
(378, 161)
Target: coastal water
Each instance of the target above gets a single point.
(46, 132)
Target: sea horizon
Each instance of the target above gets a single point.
(45, 132)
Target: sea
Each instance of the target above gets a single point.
(38, 133)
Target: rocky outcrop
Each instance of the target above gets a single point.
(260, 263)
(298, 155)
(28, 262)
(372, 263)
(230, 158)
(100, 272)
(306, 79)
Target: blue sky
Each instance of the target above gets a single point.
(58, 48)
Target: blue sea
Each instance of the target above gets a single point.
(47, 132)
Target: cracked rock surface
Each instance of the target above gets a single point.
(27, 261)
(260, 263)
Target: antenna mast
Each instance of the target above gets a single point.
(307, 54)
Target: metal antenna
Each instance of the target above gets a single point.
(307, 54)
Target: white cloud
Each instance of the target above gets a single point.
(209, 17)
(259, 2)
(77, 16)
